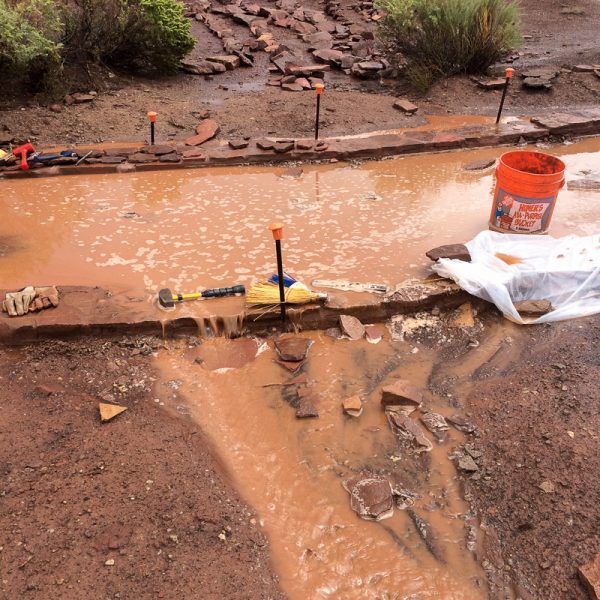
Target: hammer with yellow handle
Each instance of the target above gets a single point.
(167, 299)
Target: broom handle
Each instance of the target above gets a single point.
(280, 275)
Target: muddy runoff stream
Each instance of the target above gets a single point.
(292, 470)
(189, 229)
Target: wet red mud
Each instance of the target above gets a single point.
(523, 399)
(536, 403)
(144, 490)
(526, 396)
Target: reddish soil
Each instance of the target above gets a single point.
(539, 419)
(244, 106)
(143, 490)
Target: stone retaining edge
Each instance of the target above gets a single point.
(374, 145)
(96, 312)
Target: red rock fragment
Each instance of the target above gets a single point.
(352, 327)
(194, 153)
(290, 365)
(401, 393)
(292, 348)
(370, 497)
(590, 576)
(205, 130)
(307, 406)
(454, 251)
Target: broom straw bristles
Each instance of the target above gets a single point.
(267, 293)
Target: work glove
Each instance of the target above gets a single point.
(45, 297)
(17, 303)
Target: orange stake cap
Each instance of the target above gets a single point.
(152, 116)
(319, 87)
(276, 230)
(509, 72)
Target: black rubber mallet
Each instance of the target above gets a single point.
(167, 299)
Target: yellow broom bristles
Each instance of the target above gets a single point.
(268, 293)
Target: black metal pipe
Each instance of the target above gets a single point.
(280, 276)
(502, 100)
(317, 117)
(152, 132)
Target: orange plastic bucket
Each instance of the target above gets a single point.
(527, 185)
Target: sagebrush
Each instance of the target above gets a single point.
(145, 34)
(446, 37)
(38, 36)
(29, 41)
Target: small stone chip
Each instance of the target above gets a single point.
(480, 165)
(434, 422)
(406, 106)
(110, 562)
(109, 411)
(353, 406)
(370, 497)
(467, 464)
(547, 487)
(307, 407)
(590, 576)
(374, 333)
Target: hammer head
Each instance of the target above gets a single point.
(165, 298)
(24, 149)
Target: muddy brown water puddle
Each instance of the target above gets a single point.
(206, 227)
(291, 470)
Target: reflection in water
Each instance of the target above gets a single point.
(206, 227)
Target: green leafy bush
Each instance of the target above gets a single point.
(29, 46)
(38, 36)
(446, 37)
(168, 39)
(147, 34)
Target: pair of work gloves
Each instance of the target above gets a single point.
(29, 299)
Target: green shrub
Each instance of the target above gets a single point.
(168, 39)
(447, 37)
(37, 36)
(96, 30)
(146, 34)
(29, 47)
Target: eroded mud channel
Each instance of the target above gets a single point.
(298, 457)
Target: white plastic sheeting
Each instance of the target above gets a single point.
(565, 271)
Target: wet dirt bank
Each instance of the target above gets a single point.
(145, 492)
(243, 104)
(137, 508)
(537, 408)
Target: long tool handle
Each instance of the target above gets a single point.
(211, 293)
(225, 291)
(280, 277)
(24, 165)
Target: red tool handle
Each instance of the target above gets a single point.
(24, 165)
